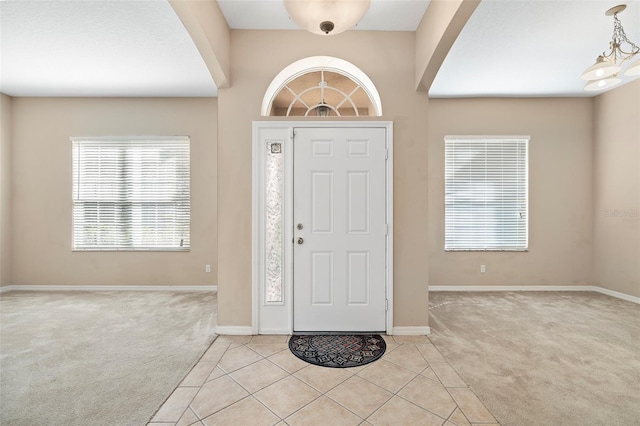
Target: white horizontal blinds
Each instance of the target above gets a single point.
(486, 193)
(131, 194)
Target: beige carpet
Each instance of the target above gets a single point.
(544, 358)
(106, 358)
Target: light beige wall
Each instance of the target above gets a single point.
(389, 60)
(560, 188)
(5, 190)
(42, 190)
(617, 190)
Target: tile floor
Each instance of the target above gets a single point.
(256, 380)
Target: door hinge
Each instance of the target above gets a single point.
(292, 133)
(386, 154)
(386, 229)
(386, 304)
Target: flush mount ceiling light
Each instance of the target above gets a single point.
(604, 73)
(326, 16)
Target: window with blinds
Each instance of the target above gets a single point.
(486, 193)
(131, 194)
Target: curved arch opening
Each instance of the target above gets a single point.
(324, 86)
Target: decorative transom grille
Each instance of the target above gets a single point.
(322, 93)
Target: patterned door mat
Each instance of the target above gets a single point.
(338, 351)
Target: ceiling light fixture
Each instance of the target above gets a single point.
(604, 73)
(322, 110)
(326, 17)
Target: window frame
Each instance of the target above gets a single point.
(521, 138)
(122, 140)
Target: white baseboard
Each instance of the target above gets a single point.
(411, 331)
(618, 295)
(234, 330)
(510, 288)
(109, 288)
(593, 288)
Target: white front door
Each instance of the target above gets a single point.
(339, 205)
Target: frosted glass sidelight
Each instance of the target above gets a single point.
(273, 242)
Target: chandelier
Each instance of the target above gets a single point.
(326, 17)
(604, 73)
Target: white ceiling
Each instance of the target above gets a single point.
(531, 48)
(140, 48)
(98, 48)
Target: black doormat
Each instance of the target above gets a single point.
(338, 351)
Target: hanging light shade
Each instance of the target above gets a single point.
(603, 83)
(633, 70)
(601, 69)
(604, 73)
(326, 17)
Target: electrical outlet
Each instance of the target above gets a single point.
(482, 269)
(207, 268)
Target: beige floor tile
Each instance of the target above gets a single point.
(387, 375)
(398, 411)
(188, 418)
(429, 395)
(321, 412)
(429, 351)
(237, 358)
(407, 356)
(458, 418)
(175, 405)
(217, 372)
(245, 412)
(198, 374)
(287, 396)
(243, 340)
(288, 361)
(411, 339)
(323, 378)
(429, 374)
(258, 375)
(215, 352)
(270, 338)
(473, 409)
(160, 424)
(391, 344)
(359, 396)
(268, 349)
(448, 375)
(216, 395)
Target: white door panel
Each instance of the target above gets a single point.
(339, 201)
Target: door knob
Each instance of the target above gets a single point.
(300, 240)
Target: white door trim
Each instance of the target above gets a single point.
(278, 318)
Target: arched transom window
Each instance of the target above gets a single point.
(322, 86)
